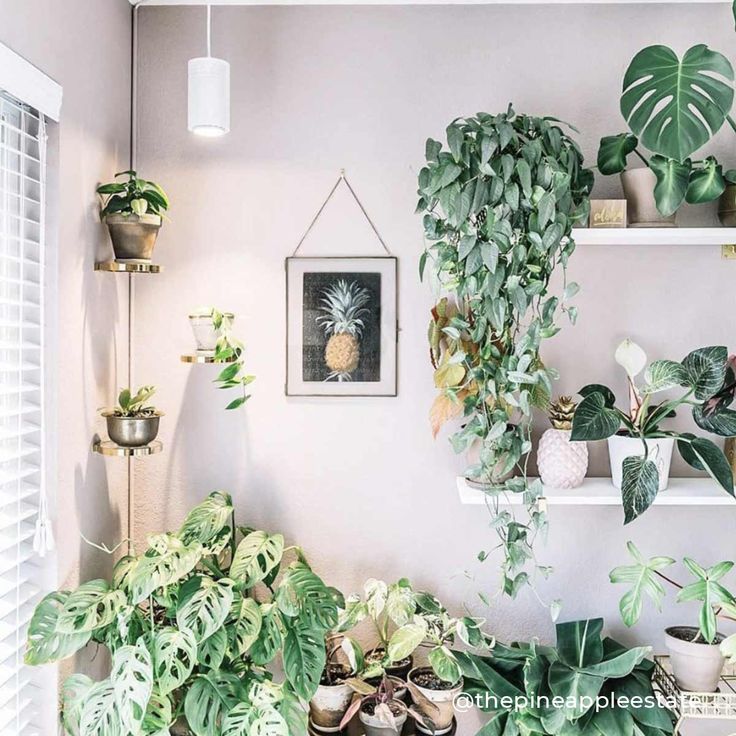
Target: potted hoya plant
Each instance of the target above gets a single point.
(640, 449)
(192, 624)
(499, 203)
(673, 107)
(696, 652)
(132, 423)
(132, 211)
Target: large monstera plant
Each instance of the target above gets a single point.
(586, 686)
(673, 108)
(191, 625)
(499, 205)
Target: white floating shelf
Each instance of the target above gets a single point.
(654, 235)
(600, 492)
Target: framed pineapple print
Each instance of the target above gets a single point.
(341, 326)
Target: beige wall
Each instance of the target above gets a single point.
(85, 46)
(360, 483)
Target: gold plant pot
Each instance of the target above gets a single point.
(133, 236)
(727, 206)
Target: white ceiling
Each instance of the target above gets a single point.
(416, 2)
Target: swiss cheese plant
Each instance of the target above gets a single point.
(191, 626)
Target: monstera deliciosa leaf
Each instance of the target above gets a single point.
(676, 105)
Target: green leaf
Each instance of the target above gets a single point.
(579, 642)
(662, 375)
(455, 140)
(376, 595)
(209, 699)
(174, 656)
(205, 521)
(401, 603)
(673, 178)
(575, 687)
(720, 421)
(593, 420)
(211, 651)
(613, 151)
(546, 208)
(639, 486)
(45, 643)
(270, 637)
(159, 715)
(675, 106)
(404, 641)
(422, 264)
(304, 657)
(706, 183)
(93, 605)
(444, 664)
(703, 454)
(256, 555)
(619, 665)
(643, 579)
(293, 713)
(247, 626)
(706, 370)
(132, 678)
(303, 592)
(609, 399)
(432, 149)
(524, 172)
(100, 716)
(73, 694)
(203, 605)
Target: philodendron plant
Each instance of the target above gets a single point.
(674, 107)
(705, 381)
(192, 625)
(229, 349)
(499, 205)
(404, 620)
(518, 686)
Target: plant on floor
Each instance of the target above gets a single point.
(701, 642)
(343, 307)
(134, 405)
(229, 349)
(132, 197)
(707, 378)
(404, 620)
(562, 463)
(674, 107)
(518, 685)
(192, 625)
(499, 207)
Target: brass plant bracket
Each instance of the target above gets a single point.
(728, 251)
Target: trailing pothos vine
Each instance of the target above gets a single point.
(499, 207)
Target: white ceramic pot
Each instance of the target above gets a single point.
(660, 452)
(205, 334)
(328, 706)
(444, 700)
(696, 666)
(375, 727)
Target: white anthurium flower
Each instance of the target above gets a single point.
(631, 358)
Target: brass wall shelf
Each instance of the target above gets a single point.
(106, 447)
(204, 358)
(128, 267)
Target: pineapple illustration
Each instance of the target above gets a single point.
(562, 463)
(343, 307)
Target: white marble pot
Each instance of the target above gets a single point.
(697, 666)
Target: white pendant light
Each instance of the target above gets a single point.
(209, 92)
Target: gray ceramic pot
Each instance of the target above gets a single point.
(133, 236)
(642, 210)
(131, 431)
(696, 666)
(727, 206)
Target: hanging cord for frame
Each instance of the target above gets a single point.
(340, 180)
(43, 537)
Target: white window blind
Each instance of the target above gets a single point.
(22, 472)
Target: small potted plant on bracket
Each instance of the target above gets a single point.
(696, 652)
(132, 211)
(132, 423)
(641, 452)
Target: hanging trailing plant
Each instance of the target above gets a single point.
(499, 207)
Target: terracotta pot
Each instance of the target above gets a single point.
(697, 666)
(443, 699)
(660, 451)
(375, 727)
(205, 334)
(328, 706)
(133, 236)
(131, 431)
(727, 206)
(642, 210)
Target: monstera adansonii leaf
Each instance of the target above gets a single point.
(676, 105)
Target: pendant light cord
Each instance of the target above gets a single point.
(209, 31)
